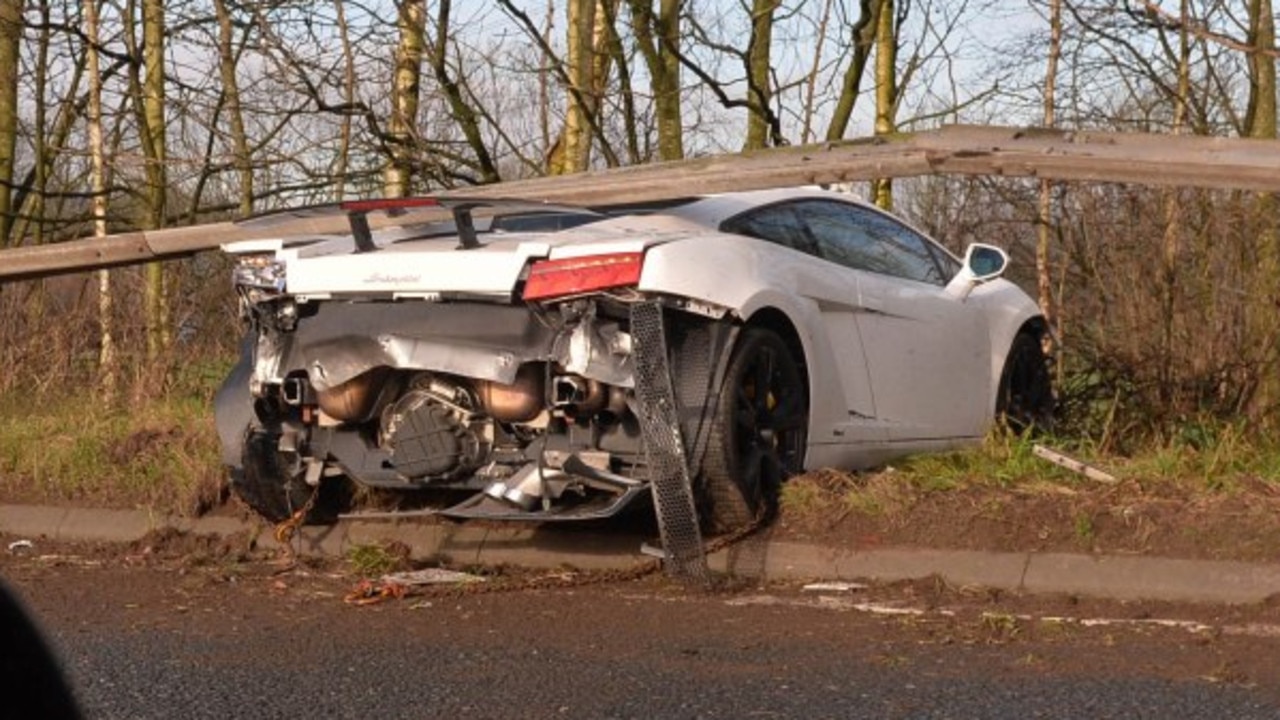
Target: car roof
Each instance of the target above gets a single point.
(712, 210)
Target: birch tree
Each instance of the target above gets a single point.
(1044, 223)
(107, 365)
(343, 159)
(402, 125)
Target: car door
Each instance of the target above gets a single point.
(926, 351)
(834, 291)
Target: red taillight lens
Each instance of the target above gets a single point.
(557, 278)
(389, 204)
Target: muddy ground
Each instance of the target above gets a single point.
(170, 581)
(863, 511)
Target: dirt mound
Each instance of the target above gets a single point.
(166, 544)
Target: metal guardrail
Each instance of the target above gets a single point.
(1167, 160)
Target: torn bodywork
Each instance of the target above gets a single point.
(532, 408)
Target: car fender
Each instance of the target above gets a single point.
(746, 277)
(1008, 309)
(233, 406)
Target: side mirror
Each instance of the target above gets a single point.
(982, 263)
(986, 262)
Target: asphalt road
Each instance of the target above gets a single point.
(143, 636)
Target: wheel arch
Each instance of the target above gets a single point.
(776, 320)
(771, 318)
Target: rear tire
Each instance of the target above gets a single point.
(267, 484)
(758, 434)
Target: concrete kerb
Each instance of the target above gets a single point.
(1108, 576)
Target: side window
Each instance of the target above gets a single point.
(867, 240)
(950, 266)
(775, 223)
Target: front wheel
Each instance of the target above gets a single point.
(1025, 398)
(758, 433)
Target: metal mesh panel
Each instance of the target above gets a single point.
(664, 448)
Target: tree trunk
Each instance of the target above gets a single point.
(658, 40)
(25, 202)
(544, 92)
(1260, 122)
(153, 141)
(1044, 224)
(348, 98)
(1260, 117)
(107, 370)
(886, 90)
(402, 128)
(811, 82)
(36, 213)
(864, 36)
(626, 95)
(10, 35)
(231, 91)
(759, 84)
(576, 140)
(460, 110)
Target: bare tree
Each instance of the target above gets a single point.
(886, 89)
(460, 110)
(10, 35)
(1260, 115)
(863, 34)
(231, 98)
(759, 49)
(658, 39)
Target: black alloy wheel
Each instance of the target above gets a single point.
(759, 433)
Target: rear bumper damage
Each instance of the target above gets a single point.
(533, 410)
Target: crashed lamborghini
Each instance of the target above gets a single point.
(549, 362)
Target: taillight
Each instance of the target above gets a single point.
(570, 276)
(391, 205)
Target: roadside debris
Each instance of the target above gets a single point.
(430, 576)
(1072, 464)
(834, 587)
(18, 546)
(368, 592)
(398, 585)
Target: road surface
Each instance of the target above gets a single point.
(156, 632)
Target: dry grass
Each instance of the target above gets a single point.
(163, 456)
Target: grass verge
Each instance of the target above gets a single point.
(161, 453)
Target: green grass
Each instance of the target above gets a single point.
(159, 453)
(1215, 461)
(1002, 459)
(376, 560)
(1212, 460)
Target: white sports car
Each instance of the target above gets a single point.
(558, 361)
